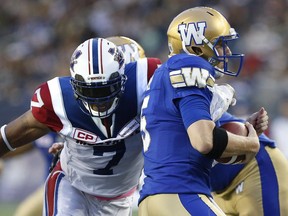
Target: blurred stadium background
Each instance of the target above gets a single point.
(38, 37)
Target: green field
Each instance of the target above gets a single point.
(7, 209)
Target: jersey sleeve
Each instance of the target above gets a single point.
(145, 68)
(193, 108)
(153, 64)
(190, 71)
(190, 78)
(42, 108)
(227, 117)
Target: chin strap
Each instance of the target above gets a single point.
(185, 50)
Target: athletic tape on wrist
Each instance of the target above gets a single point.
(3, 134)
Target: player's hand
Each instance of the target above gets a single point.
(259, 120)
(55, 148)
(254, 143)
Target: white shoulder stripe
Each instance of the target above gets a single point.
(58, 104)
(142, 79)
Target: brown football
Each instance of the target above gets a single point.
(238, 128)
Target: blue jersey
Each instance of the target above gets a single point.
(223, 174)
(173, 101)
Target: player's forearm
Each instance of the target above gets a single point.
(3, 149)
(21, 131)
(4, 142)
(21, 150)
(238, 145)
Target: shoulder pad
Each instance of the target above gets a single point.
(187, 76)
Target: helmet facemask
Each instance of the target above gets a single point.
(205, 32)
(97, 76)
(231, 63)
(99, 99)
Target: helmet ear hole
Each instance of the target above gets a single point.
(114, 75)
(79, 77)
(197, 50)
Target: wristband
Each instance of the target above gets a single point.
(220, 141)
(3, 134)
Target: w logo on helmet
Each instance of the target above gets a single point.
(192, 31)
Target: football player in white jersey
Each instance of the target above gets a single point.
(133, 51)
(96, 111)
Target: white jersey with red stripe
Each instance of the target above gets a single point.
(101, 157)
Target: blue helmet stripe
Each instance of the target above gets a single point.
(95, 58)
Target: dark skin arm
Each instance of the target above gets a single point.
(19, 151)
(21, 131)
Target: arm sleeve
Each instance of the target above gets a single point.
(193, 108)
(42, 108)
(153, 64)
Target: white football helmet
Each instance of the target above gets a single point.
(97, 76)
(205, 32)
(131, 49)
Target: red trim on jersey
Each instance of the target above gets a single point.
(107, 122)
(52, 185)
(101, 57)
(153, 64)
(45, 114)
(89, 62)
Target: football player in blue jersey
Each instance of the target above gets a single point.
(179, 108)
(256, 188)
(96, 111)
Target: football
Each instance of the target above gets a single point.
(238, 128)
(235, 127)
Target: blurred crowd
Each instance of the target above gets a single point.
(37, 39)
